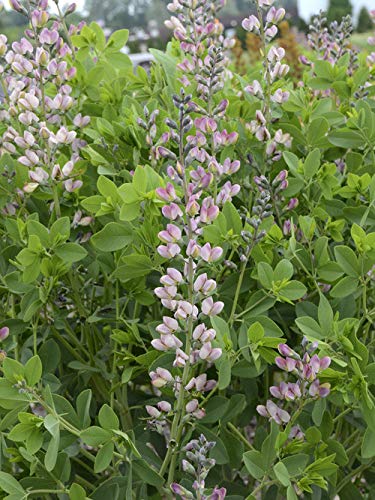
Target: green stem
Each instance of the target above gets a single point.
(237, 293)
(35, 337)
(240, 436)
(354, 473)
(56, 201)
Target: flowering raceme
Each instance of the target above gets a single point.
(307, 387)
(197, 187)
(268, 90)
(38, 106)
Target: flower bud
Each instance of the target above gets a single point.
(4, 333)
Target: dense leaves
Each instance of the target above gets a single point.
(79, 263)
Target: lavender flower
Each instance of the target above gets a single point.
(306, 369)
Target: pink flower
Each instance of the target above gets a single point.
(273, 412)
(160, 377)
(209, 254)
(168, 193)
(275, 15)
(164, 406)
(166, 342)
(208, 353)
(71, 186)
(169, 251)
(172, 211)
(204, 285)
(168, 326)
(251, 23)
(211, 308)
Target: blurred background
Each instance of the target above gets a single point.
(145, 18)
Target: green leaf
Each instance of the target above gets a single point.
(118, 39)
(293, 290)
(224, 372)
(108, 418)
(346, 138)
(255, 332)
(269, 451)
(83, 407)
(309, 327)
(76, 492)
(33, 370)
(10, 485)
(71, 252)
(312, 163)
(283, 270)
(52, 425)
(60, 230)
(348, 261)
(104, 457)
(291, 494)
(107, 188)
(147, 474)
(112, 237)
(346, 286)
(265, 274)
(282, 474)
(135, 266)
(36, 228)
(254, 463)
(13, 370)
(95, 436)
(296, 464)
(368, 444)
(140, 180)
(325, 313)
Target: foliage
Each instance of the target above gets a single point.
(337, 9)
(187, 264)
(364, 22)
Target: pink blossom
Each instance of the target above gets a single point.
(211, 308)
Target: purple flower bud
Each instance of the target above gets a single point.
(152, 411)
(164, 406)
(16, 5)
(218, 494)
(4, 333)
(191, 406)
(293, 203)
(72, 8)
(303, 59)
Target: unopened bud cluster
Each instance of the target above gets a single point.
(198, 464)
(331, 42)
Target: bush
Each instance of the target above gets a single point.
(187, 264)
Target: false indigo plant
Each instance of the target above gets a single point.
(173, 325)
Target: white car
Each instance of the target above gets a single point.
(143, 59)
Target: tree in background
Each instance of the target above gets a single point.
(364, 21)
(338, 9)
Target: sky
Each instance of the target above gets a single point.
(306, 7)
